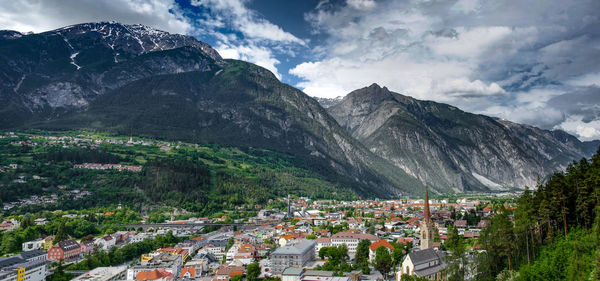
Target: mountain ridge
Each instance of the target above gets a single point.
(133, 79)
(179, 91)
(445, 146)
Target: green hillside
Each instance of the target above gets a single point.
(199, 178)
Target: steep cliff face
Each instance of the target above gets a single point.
(452, 150)
(132, 79)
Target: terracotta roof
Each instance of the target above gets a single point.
(287, 236)
(191, 270)
(404, 240)
(323, 240)
(153, 275)
(229, 270)
(381, 243)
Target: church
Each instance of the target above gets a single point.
(428, 262)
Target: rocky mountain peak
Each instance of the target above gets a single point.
(125, 39)
(450, 149)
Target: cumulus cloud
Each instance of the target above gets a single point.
(38, 16)
(247, 21)
(361, 4)
(576, 112)
(501, 58)
(585, 130)
(258, 41)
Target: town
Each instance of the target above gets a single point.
(323, 240)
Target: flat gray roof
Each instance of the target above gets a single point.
(295, 249)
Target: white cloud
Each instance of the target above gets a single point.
(469, 42)
(466, 6)
(260, 39)
(588, 79)
(361, 4)
(38, 16)
(490, 57)
(585, 130)
(536, 115)
(247, 21)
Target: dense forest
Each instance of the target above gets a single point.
(553, 234)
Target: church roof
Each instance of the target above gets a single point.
(430, 270)
(424, 256)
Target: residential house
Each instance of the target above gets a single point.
(175, 251)
(106, 242)
(460, 224)
(64, 250)
(187, 272)
(87, 247)
(41, 221)
(163, 262)
(9, 225)
(374, 246)
(225, 272)
(292, 274)
(48, 242)
(155, 275)
(217, 251)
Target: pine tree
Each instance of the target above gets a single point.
(456, 259)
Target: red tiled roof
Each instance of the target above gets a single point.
(381, 243)
(191, 270)
(153, 275)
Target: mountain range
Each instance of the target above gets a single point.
(132, 79)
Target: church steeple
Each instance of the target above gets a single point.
(426, 212)
(426, 225)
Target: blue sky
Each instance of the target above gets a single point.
(535, 62)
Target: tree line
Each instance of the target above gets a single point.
(553, 234)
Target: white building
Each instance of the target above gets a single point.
(321, 242)
(33, 245)
(351, 240)
(232, 252)
(106, 242)
(217, 251)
